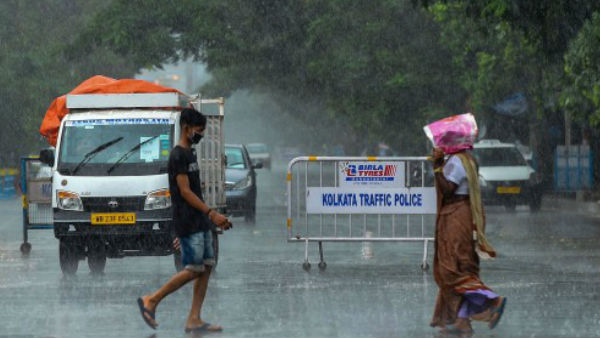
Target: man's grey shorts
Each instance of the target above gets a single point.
(197, 251)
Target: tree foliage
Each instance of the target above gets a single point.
(33, 69)
(375, 68)
(493, 59)
(581, 94)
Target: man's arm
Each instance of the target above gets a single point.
(189, 196)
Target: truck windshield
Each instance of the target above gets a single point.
(81, 137)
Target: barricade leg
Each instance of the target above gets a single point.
(424, 265)
(25, 246)
(322, 264)
(306, 264)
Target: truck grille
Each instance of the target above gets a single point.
(107, 204)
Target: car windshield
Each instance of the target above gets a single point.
(118, 137)
(499, 157)
(256, 148)
(235, 158)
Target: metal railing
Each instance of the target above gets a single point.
(36, 185)
(324, 204)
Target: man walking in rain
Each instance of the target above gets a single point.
(460, 232)
(191, 221)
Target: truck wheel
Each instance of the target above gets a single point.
(96, 256)
(68, 257)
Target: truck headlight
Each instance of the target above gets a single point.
(160, 199)
(243, 183)
(69, 201)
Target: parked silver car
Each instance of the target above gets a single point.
(240, 182)
(505, 176)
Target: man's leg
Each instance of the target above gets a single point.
(181, 278)
(195, 316)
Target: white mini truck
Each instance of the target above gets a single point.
(110, 188)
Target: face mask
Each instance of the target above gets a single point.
(195, 138)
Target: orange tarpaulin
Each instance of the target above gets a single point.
(95, 85)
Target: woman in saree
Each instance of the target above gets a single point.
(459, 243)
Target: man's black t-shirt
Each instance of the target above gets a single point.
(186, 219)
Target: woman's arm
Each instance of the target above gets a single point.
(448, 188)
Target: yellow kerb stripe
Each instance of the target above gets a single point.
(371, 158)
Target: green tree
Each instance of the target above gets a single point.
(373, 67)
(502, 46)
(581, 94)
(33, 69)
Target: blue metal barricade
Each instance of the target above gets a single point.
(573, 168)
(36, 185)
(7, 183)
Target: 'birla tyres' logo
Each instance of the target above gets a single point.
(370, 172)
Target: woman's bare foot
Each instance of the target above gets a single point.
(460, 326)
(497, 312)
(483, 316)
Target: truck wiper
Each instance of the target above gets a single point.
(128, 154)
(87, 157)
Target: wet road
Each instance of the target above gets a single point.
(548, 267)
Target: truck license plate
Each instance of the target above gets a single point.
(508, 190)
(113, 218)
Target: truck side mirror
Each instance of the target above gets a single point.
(257, 165)
(47, 157)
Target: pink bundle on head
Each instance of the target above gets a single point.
(454, 133)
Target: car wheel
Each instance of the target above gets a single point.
(535, 203)
(250, 216)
